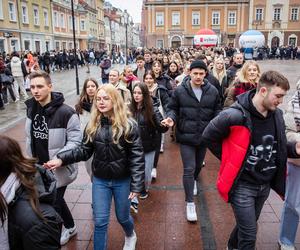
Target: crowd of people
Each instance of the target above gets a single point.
(206, 98)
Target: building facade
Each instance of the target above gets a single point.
(41, 26)
(35, 25)
(173, 23)
(117, 22)
(170, 23)
(10, 38)
(278, 20)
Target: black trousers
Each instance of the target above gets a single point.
(62, 208)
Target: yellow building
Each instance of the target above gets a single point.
(35, 25)
(9, 26)
(170, 23)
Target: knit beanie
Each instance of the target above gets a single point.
(199, 64)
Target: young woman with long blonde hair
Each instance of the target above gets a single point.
(118, 165)
(247, 80)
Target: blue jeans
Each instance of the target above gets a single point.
(247, 201)
(102, 192)
(291, 207)
(149, 161)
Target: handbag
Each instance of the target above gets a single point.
(6, 78)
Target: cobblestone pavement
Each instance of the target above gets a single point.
(160, 223)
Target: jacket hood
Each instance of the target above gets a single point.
(15, 59)
(57, 99)
(245, 100)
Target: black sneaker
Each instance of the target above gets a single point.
(144, 195)
(134, 207)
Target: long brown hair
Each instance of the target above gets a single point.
(83, 95)
(12, 160)
(147, 105)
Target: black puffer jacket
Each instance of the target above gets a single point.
(190, 115)
(26, 230)
(165, 81)
(112, 161)
(150, 135)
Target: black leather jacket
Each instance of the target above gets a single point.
(112, 161)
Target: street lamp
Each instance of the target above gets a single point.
(75, 50)
(126, 39)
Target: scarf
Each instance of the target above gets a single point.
(242, 87)
(8, 190)
(131, 78)
(153, 89)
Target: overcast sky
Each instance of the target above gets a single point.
(133, 7)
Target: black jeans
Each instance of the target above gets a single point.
(192, 159)
(10, 88)
(157, 153)
(62, 208)
(247, 201)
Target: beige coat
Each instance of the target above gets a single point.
(292, 130)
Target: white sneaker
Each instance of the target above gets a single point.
(195, 191)
(161, 148)
(191, 214)
(285, 247)
(153, 173)
(130, 242)
(67, 234)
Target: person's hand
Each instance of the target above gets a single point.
(168, 122)
(132, 195)
(53, 164)
(298, 148)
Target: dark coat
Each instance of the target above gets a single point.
(190, 115)
(112, 161)
(26, 230)
(237, 119)
(150, 134)
(165, 81)
(104, 65)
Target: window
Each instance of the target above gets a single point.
(232, 18)
(195, 18)
(46, 19)
(159, 18)
(1, 10)
(82, 25)
(259, 14)
(175, 18)
(276, 15)
(216, 18)
(70, 24)
(57, 47)
(12, 12)
(27, 45)
(36, 20)
(24, 13)
(55, 19)
(159, 43)
(62, 20)
(294, 14)
(14, 45)
(292, 41)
